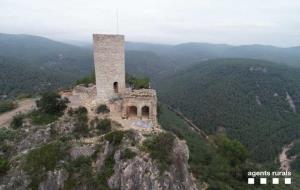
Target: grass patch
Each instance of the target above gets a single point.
(40, 160)
(4, 166)
(41, 118)
(6, 106)
(160, 148)
(7, 134)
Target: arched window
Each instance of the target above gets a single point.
(145, 112)
(131, 111)
(116, 88)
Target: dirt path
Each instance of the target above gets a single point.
(285, 162)
(23, 106)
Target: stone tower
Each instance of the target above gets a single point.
(109, 65)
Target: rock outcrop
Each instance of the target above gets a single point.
(116, 159)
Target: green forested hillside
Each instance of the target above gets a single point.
(212, 163)
(245, 98)
(17, 78)
(30, 64)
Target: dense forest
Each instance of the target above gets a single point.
(246, 99)
(219, 161)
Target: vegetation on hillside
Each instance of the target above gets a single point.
(32, 64)
(160, 148)
(221, 162)
(90, 79)
(40, 160)
(81, 128)
(6, 106)
(246, 99)
(137, 83)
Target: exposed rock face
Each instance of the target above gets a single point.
(15, 180)
(138, 171)
(142, 172)
(291, 102)
(54, 181)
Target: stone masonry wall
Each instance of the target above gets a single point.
(109, 65)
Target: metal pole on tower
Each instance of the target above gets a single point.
(117, 17)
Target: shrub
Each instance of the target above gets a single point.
(160, 148)
(4, 165)
(52, 103)
(102, 109)
(115, 138)
(6, 106)
(127, 154)
(80, 111)
(138, 83)
(81, 127)
(104, 126)
(17, 121)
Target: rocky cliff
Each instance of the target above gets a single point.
(76, 153)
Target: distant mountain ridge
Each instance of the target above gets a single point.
(193, 52)
(67, 62)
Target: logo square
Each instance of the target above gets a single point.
(250, 180)
(263, 180)
(287, 180)
(275, 180)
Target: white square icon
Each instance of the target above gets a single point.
(287, 180)
(263, 180)
(275, 180)
(250, 180)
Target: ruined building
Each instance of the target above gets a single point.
(137, 108)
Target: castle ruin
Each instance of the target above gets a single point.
(130, 107)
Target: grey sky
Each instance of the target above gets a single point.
(275, 22)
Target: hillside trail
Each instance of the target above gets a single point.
(190, 123)
(23, 106)
(285, 161)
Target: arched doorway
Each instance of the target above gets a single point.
(116, 88)
(131, 111)
(145, 112)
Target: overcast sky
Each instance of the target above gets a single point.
(274, 22)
